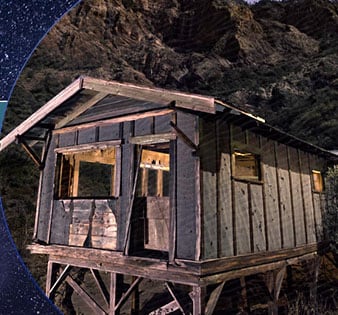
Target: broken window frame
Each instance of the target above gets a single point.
(146, 167)
(71, 190)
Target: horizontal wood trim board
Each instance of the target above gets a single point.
(88, 146)
(156, 95)
(247, 271)
(41, 113)
(184, 271)
(114, 120)
(154, 138)
(243, 261)
(138, 270)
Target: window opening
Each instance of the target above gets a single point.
(87, 174)
(246, 166)
(318, 185)
(153, 178)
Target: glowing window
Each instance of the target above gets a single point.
(317, 181)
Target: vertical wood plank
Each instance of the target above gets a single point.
(162, 123)
(242, 218)
(45, 206)
(224, 191)
(143, 126)
(186, 189)
(257, 212)
(207, 154)
(297, 201)
(67, 139)
(109, 132)
(50, 278)
(115, 292)
(198, 300)
(86, 135)
(173, 197)
(127, 169)
(285, 196)
(279, 198)
(271, 195)
(307, 197)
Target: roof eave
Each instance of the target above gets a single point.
(41, 113)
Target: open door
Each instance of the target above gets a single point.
(151, 204)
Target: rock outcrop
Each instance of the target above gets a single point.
(277, 57)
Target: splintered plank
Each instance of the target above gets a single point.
(258, 223)
(271, 195)
(285, 196)
(242, 218)
(307, 197)
(297, 201)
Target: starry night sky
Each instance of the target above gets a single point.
(23, 24)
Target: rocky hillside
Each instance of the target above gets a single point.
(278, 59)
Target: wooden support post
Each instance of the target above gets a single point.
(115, 292)
(273, 281)
(244, 297)
(97, 309)
(63, 274)
(101, 285)
(178, 304)
(51, 276)
(198, 300)
(314, 271)
(214, 296)
(135, 298)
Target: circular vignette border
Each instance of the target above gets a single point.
(23, 25)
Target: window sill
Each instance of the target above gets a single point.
(247, 180)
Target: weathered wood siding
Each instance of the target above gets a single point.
(279, 211)
(58, 221)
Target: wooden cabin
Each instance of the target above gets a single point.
(169, 186)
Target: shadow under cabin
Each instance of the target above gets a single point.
(144, 183)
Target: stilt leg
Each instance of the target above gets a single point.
(314, 276)
(198, 300)
(51, 277)
(274, 280)
(244, 295)
(135, 299)
(115, 292)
